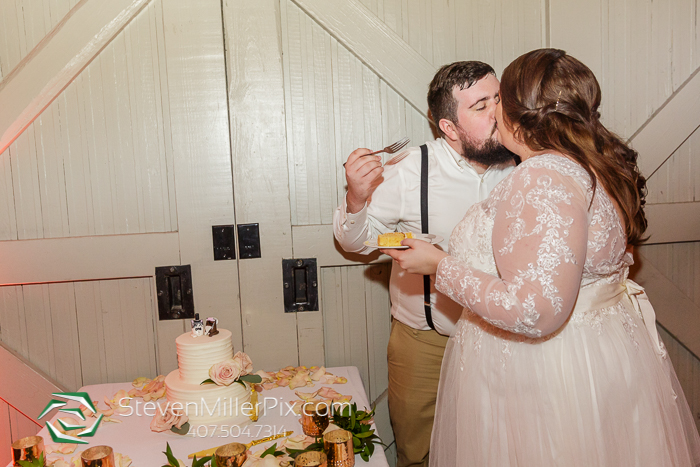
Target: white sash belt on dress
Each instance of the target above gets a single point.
(603, 296)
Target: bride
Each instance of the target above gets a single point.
(556, 360)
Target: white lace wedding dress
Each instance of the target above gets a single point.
(552, 363)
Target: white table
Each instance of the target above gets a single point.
(134, 438)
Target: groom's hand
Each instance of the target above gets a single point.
(364, 174)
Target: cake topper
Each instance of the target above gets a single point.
(197, 326)
(211, 327)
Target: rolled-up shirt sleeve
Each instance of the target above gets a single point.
(381, 214)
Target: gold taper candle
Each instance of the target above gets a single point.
(231, 455)
(311, 459)
(27, 449)
(338, 447)
(97, 456)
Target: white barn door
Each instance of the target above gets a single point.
(114, 159)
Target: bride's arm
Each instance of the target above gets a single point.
(539, 241)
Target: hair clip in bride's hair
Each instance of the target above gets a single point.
(556, 106)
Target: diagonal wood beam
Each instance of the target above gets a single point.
(673, 222)
(669, 126)
(57, 59)
(24, 388)
(376, 45)
(675, 311)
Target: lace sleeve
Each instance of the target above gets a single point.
(539, 243)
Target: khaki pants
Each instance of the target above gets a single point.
(414, 359)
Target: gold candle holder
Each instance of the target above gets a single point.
(231, 455)
(338, 447)
(311, 459)
(97, 456)
(27, 449)
(315, 418)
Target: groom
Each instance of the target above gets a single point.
(464, 164)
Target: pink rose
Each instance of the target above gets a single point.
(246, 363)
(226, 372)
(168, 417)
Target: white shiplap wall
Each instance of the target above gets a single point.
(678, 180)
(23, 24)
(98, 160)
(80, 333)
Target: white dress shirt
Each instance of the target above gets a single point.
(453, 186)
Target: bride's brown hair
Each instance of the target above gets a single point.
(552, 99)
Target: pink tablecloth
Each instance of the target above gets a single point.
(134, 438)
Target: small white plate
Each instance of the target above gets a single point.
(431, 238)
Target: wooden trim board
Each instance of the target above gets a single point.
(54, 260)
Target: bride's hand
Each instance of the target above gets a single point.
(420, 258)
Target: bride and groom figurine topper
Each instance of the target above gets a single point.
(199, 328)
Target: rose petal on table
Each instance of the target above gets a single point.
(300, 379)
(330, 393)
(121, 460)
(266, 377)
(306, 395)
(296, 442)
(284, 382)
(140, 381)
(318, 374)
(56, 462)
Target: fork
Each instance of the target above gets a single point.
(392, 148)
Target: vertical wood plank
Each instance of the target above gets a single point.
(25, 185)
(256, 84)
(88, 303)
(40, 336)
(199, 119)
(51, 176)
(13, 326)
(8, 221)
(378, 324)
(77, 193)
(102, 178)
(310, 336)
(66, 341)
(21, 426)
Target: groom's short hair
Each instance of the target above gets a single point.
(441, 102)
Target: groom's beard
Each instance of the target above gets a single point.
(491, 152)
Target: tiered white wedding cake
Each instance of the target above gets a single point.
(206, 404)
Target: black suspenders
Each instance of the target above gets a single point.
(424, 228)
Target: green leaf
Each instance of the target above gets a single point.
(252, 379)
(213, 461)
(183, 430)
(366, 434)
(201, 462)
(207, 381)
(169, 454)
(268, 451)
(34, 462)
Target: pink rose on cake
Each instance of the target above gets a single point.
(234, 370)
(168, 417)
(226, 372)
(246, 363)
